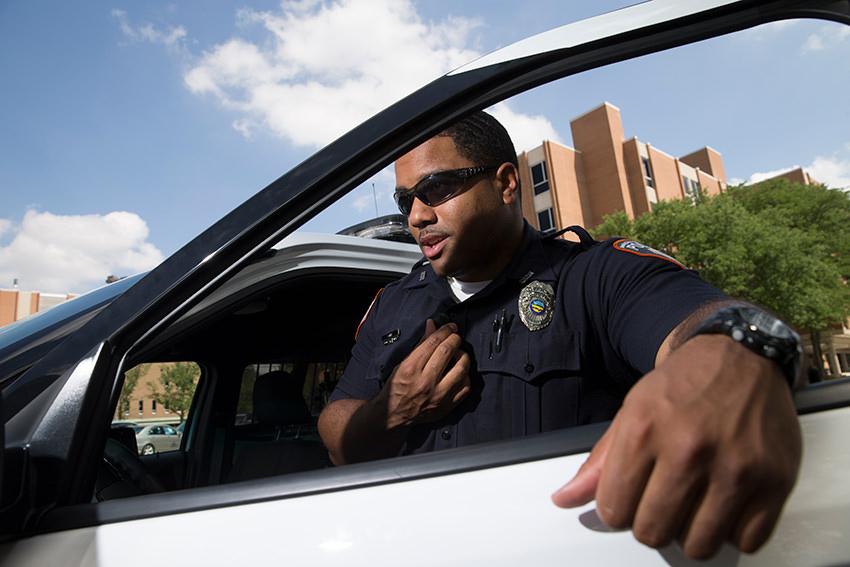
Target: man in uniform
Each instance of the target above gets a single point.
(501, 332)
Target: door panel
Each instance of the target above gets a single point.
(498, 516)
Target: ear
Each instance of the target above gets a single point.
(508, 178)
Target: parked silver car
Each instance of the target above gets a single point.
(152, 439)
(247, 310)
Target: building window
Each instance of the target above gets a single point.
(141, 407)
(691, 187)
(153, 407)
(647, 172)
(539, 179)
(843, 362)
(546, 220)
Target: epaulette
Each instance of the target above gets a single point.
(586, 240)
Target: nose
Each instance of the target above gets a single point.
(421, 215)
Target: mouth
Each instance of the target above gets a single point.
(432, 244)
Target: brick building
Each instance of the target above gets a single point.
(604, 173)
(16, 304)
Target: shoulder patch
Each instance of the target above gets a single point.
(625, 245)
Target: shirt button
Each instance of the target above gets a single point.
(446, 434)
(529, 368)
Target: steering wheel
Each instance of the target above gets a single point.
(126, 476)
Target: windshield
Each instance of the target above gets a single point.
(26, 341)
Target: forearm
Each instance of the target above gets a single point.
(358, 430)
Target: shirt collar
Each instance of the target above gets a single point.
(530, 261)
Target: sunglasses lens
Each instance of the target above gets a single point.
(440, 187)
(436, 188)
(404, 202)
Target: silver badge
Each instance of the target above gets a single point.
(536, 305)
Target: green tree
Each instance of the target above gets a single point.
(821, 213)
(177, 382)
(778, 244)
(131, 379)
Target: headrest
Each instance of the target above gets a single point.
(278, 400)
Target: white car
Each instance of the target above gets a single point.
(250, 484)
(152, 439)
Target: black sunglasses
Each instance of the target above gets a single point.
(438, 187)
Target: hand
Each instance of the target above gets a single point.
(706, 448)
(431, 381)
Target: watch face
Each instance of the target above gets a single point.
(767, 323)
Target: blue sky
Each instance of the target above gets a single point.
(129, 127)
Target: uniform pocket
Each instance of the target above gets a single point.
(531, 355)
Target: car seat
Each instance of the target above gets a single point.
(279, 404)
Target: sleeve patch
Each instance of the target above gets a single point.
(639, 249)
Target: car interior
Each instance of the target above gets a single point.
(269, 355)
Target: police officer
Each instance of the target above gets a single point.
(501, 332)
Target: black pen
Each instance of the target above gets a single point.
(500, 331)
(493, 332)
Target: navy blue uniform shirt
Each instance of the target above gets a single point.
(614, 303)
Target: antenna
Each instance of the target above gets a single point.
(375, 198)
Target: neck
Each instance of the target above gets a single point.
(509, 242)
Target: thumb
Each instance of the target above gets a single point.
(582, 488)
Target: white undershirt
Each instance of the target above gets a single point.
(462, 291)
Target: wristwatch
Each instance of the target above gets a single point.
(760, 332)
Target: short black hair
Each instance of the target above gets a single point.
(482, 139)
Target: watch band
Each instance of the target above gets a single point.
(759, 331)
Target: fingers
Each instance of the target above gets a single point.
(455, 384)
(582, 488)
(712, 512)
(757, 522)
(625, 473)
(710, 523)
(440, 344)
(430, 327)
(431, 381)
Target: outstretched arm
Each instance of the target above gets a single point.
(705, 449)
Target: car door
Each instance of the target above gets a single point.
(480, 506)
(484, 504)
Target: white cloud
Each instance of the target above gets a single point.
(527, 132)
(832, 171)
(828, 36)
(376, 193)
(327, 66)
(75, 253)
(173, 38)
(761, 176)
